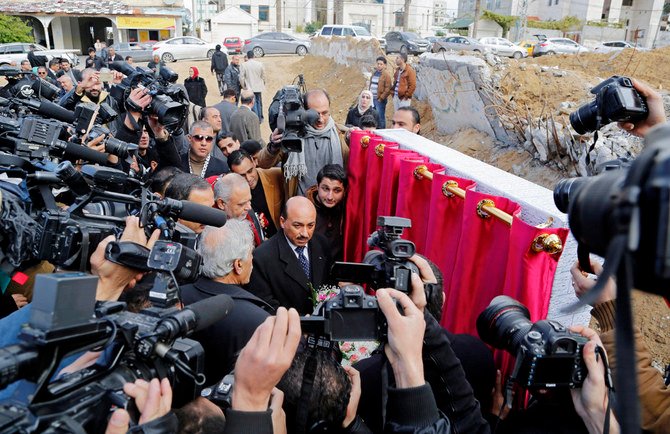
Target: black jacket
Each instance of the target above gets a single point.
(354, 117)
(197, 90)
(219, 62)
(225, 339)
(444, 373)
(117, 58)
(232, 78)
(95, 63)
(278, 278)
(36, 60)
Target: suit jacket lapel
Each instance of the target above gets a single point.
(316, 262)
(292, 266)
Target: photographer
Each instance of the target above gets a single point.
(653, 394)
(321, 146)
(89, 90)
(153, 400)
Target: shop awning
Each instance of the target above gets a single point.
(151, 23)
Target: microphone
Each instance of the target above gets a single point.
(195, 317)
(81, 152)
(50, 110)
(194, 212)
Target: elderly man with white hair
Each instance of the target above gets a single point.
(233, 196)
(227, 265)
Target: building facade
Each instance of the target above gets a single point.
(77, 24)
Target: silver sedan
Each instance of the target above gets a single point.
(276, 43)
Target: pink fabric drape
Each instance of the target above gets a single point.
(413, 201)
(481, 263)
(390, 173)
(356, 177)
(444, 226)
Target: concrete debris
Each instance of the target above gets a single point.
(559, 73)
(491, 59)
(544, 68)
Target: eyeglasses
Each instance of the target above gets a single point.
(42, 73)
(200, 138)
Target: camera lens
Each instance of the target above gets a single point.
(119, 148)
(584, 119)
(565, 192)
(504, 323)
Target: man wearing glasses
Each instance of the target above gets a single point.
(198, 159)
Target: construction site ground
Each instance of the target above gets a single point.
(527, 87)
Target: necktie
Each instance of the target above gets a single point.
(304, 263)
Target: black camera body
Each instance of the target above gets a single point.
(616, 101)
(391, 264)
(547, 354)
(221, 393)
(169, 102)
(288, 114)
(351, 315)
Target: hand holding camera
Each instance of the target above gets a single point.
(656, 111)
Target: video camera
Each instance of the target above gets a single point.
(616, 101)
(388, 268)
(66, 320)
(25, 84)
(547, 354)
(288, 114)
(169, 102)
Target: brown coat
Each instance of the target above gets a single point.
(384, 86)
(266, 160)
(273, 186)
(407, 84)
(653, 394)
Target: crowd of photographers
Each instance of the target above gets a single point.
(284, 203)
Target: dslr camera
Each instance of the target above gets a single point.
(350, 316)
(547, 354)
(288, 114)
(616, 101)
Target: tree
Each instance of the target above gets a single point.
(475, 23)
(504, 21)
(13, 29)
(405, 15)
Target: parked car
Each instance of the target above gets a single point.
(187, 47)
(276, 43)
(406, 42)
(558, 46)
(140, 52)
(18, 51)
(610, 46)
(233, 44)
(503, 47)
(527, 45)
(458, 43)
(353, 31)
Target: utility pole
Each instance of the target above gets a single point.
(523, 16)
(405, 16)
(475, 24)
(279, 20)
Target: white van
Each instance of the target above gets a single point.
(330, 30)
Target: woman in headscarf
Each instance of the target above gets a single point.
(196, 87)
(364, 107)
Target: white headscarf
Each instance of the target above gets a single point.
(362, 110)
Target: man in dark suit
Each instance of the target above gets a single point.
(294, 262)
(226, 108)
(227, 264)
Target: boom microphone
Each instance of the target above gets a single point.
(195, 317)
(194, 212)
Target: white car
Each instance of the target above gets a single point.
(18, 51)
(503, 47)
(186, 47)
(552, 46)
(359, 32)
(611, 46)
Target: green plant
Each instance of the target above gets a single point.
(300, 28)
(289, 24)
(312, 27)
(504, 21)
(14, 29)
(565, 24)
(439, 33)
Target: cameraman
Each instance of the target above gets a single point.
(321, 146)
(89, 89)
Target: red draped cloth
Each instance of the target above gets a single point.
(390, 173)
(529, 276)
(372, 186)
(444, 226)
(481, 263)
(356, 176)
(413, 201)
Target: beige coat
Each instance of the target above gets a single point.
(252, 76)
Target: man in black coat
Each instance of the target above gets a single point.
(199, 158)
(218, 66)
(227, 263)
(294, 262)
